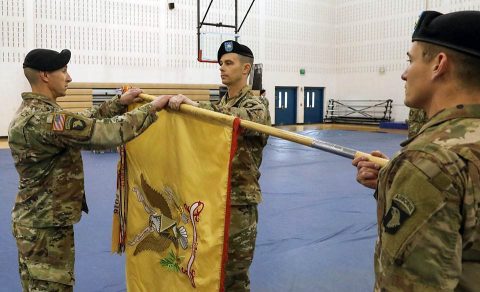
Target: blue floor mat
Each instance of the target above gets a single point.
(316, 228)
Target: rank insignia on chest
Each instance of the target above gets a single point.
(58, 123)
(402, 208)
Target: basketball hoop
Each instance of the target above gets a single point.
(209, 44)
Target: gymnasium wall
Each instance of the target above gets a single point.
(372, 39)
(353, 48)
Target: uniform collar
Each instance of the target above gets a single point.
(460, 111)
(242, 92)
(43, 98)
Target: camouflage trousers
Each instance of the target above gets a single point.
(241, 245)
(45, 258)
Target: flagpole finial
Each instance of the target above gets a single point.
(124, 88)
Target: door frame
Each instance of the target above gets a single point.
(322, 102)
(295, 103)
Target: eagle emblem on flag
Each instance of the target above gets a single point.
(164, 229)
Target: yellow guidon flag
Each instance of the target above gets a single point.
(171, 214)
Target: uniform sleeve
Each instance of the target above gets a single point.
(252, 110)
(471, 226)
(420, 221)
(65, 129)
(107, 109)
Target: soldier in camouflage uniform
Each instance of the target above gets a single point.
(368, 176)
(416, 119)
(235, 62)
(428, 195)
(45, 142)
(264, 99)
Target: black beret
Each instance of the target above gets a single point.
(46, 60)
(459, 31)
(233, 47)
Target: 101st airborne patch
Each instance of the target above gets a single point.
(73, 123)
(402, 208)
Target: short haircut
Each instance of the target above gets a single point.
(245, 59)
(466, 67)
(31, 75)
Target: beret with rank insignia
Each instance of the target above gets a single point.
(459, 31)
(233, 47)
(46, 60)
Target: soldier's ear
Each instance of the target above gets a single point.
(246, 68)
(43, 76)
(440, 65)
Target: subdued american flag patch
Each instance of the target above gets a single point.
(58, 122)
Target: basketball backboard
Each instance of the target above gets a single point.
(210, 42)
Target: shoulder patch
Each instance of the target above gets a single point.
(58, 122)
(402, 208)
(69, 124)
(73, 123)
(61, 122)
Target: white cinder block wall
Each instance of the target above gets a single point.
(353, 48)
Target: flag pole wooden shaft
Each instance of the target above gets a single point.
(293, 137)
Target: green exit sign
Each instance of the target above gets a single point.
(302, 71)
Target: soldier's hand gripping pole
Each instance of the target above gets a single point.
(293, 137)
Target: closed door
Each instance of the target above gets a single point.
(313, 105)
(285, 105)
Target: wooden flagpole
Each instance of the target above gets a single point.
(290, 136)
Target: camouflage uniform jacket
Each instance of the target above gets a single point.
(428, 208)
(245, 189)
(416, 119)
(45, 142)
